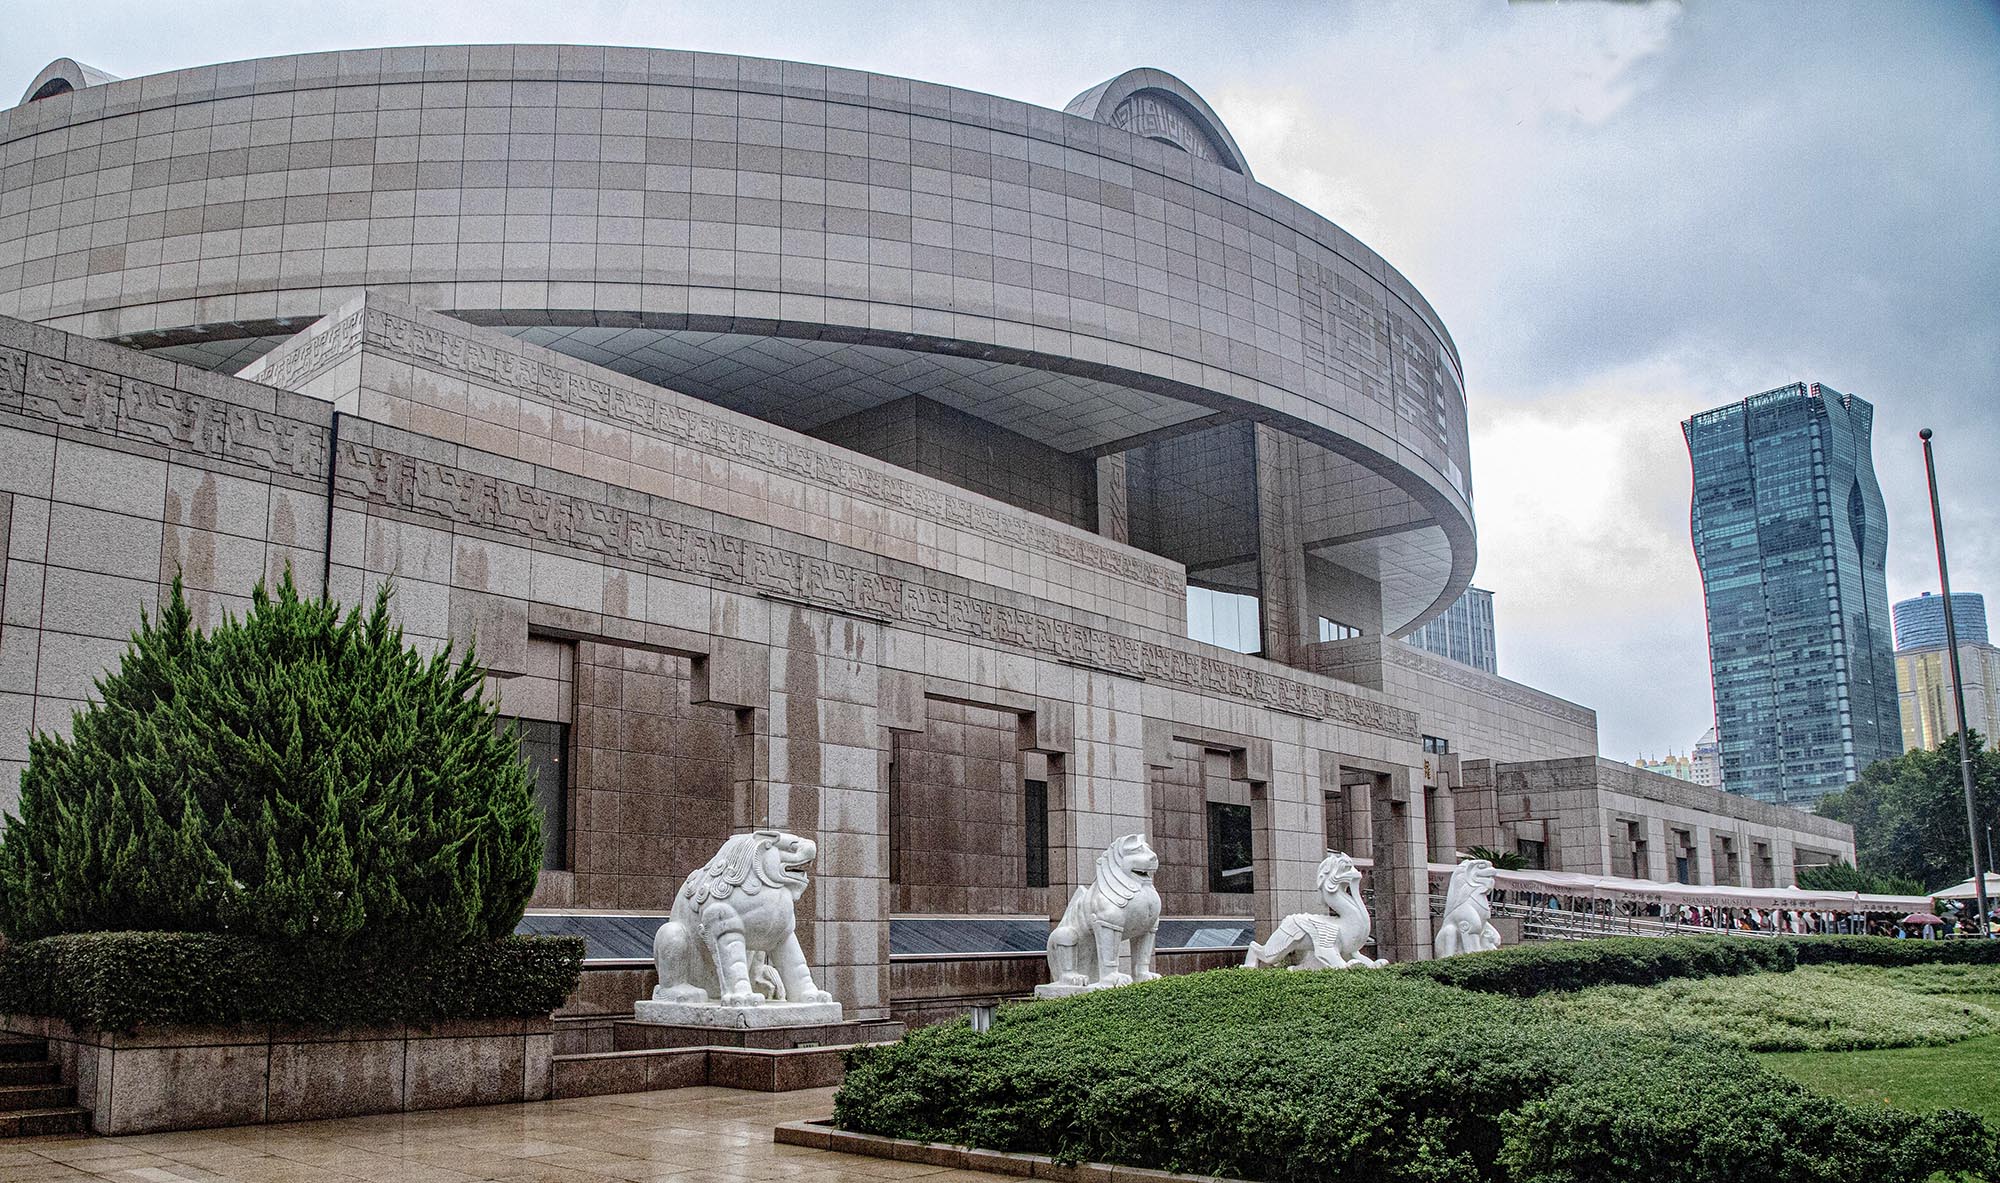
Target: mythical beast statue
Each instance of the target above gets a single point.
(731, 939)
(1467, 925)
(1306, 941)
(1120, 906)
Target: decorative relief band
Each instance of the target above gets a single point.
(71, 395)
(669, 418)
(467, 498)
(306, 356)
(1444, 670)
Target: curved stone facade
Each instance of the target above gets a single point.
(738, 228)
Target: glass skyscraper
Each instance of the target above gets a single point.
(1920, 620)
(1791, 537)
(1464, 633)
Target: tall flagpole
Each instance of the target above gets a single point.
(1957, 694)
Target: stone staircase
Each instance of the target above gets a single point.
(32, 1099)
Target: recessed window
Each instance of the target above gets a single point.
(1333, 630)
(1535, 854)
(1036, 797)
(1228, 619)
(545, 751)
(1229, 859)
(1436, 746)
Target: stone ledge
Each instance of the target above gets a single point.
(255, 1073)
(824, 1135)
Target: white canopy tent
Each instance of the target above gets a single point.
(1969, 890)
(1563, 883)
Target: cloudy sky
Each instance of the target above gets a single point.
(1625, 213)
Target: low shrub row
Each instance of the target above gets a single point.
(1890, 951)
(120, 980)
(1544, 966)
(1280, 1077)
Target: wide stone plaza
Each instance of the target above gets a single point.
(685, 1134)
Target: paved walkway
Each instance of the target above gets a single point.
(695, 1135)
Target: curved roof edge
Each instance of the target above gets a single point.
(1145, 102)
(63, 76)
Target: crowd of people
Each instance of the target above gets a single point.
(1950, 921)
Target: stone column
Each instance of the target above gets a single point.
(824, 763)
(1113, 520)
(1401, 871)
(1281, 555)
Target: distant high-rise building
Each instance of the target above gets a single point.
(1920, 620)
(1707, 761)
(1923, 687)
(1464, 633)
(1791, 536)
(1678, 767)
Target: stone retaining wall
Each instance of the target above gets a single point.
(253, 1073)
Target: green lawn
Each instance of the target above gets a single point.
(1962, 1075)
(1814, 1009)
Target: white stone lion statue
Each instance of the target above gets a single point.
(1467, 924)
(1306, 941)
(731, 937)
(1119, 907)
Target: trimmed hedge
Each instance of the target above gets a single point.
(1364, 1075)
(1541, 967)
(1890, 951)
(119, 980)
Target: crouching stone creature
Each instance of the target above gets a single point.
(1467, 925)
(1306, 941)
(1119, 908)
(731, 937)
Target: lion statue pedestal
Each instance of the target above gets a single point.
(729, 953)
(1120, 907)
(1306, 941)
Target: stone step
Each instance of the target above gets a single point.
(15, 1048)
(26, 1072)
(58, 1119)
(19, 1098)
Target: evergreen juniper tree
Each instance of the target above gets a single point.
(293, 775)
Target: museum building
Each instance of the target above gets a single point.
(960, 483)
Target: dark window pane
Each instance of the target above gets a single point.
(545, 750)
(1037, 810)
(1229, 848)
(1536, 853)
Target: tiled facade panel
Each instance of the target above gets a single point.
(1193, 498)
(118, 472)
(949, 445)
(958, 824)
(1480, 714)
(1180, 797)
(651, 781)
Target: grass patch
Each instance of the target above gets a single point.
(1814, 1008)
(1961, 1076)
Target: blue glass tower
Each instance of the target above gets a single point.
(1920, 620)
(1464, 633)
(1791, 537)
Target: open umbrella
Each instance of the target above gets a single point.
(1922, 918)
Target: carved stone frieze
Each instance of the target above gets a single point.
(71, 395)
(464, 498)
